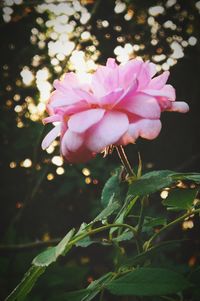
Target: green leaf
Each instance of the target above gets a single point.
(99, 282)
(103, 215)
(72, 296)
(111, 208)
(62, 277)
(128, 204)
(85, 242)
(153, 251)
(148, 282)
(180, 199)
(27, 283)
(150, 182)
(126, 235)
(157, 180)
(50, 255)
(154, 222)
(113, 188)
(81, 295)
(195, 279)
(195, 177)
(86, 294)
(106, 212)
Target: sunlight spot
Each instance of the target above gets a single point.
(86, 171)
(50, 177)
(165, 66)
(189, 224)
(85, 18)
(26, 163)
(27, 76)
(192, 41)
(197, 4)
(50, 149)
(7, 18)
(105, 23)
(88, 180)
(18, 109)
(170, 3)
(119, 7)
(57, 160)
(156, 10)
(16, 97)
(13, 164)
(164, 194)
(85, 35)
(177, 50)
(159, 57)
(60, 171)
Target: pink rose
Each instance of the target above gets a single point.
(122, 103)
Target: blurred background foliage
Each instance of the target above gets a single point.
(41, 196)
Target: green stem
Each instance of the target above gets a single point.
(124, 160)
(97, 230)
(30, 245)
(176, 221)
(101, 295)
(168, 298)
(124, 211)
(57, 240)
(141, 216)
(140, 224)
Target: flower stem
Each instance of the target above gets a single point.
(57, 240)
(124, 160)
(97, 230)
(174, 222)
(141, 216)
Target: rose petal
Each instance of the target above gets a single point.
(152, 69)
(105, 80)
(144, 76)
(71, 97)
(111, 98)
(159, 81)
(132, 88)
(108, 131)
(167, 91)
(72, 141)
(75, 108)
(145, 128)
(143, 105)
(126, 139)
(51, 136)
(111, 63)
(73, 148)
(52, 118)
(82, 155)
(82, 121)
(60, 99)
(179, 106)
(69, 81)
(129, 72)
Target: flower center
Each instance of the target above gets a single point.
(106, 106)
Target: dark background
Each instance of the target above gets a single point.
(36, 209)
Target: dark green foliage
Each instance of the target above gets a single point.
(148, 282)
(27, 283)
(180, 199)
(34, 209)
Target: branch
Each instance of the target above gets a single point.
(39, 244)
(30, 245)
(171, 224)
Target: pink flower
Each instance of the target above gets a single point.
(122, 103)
